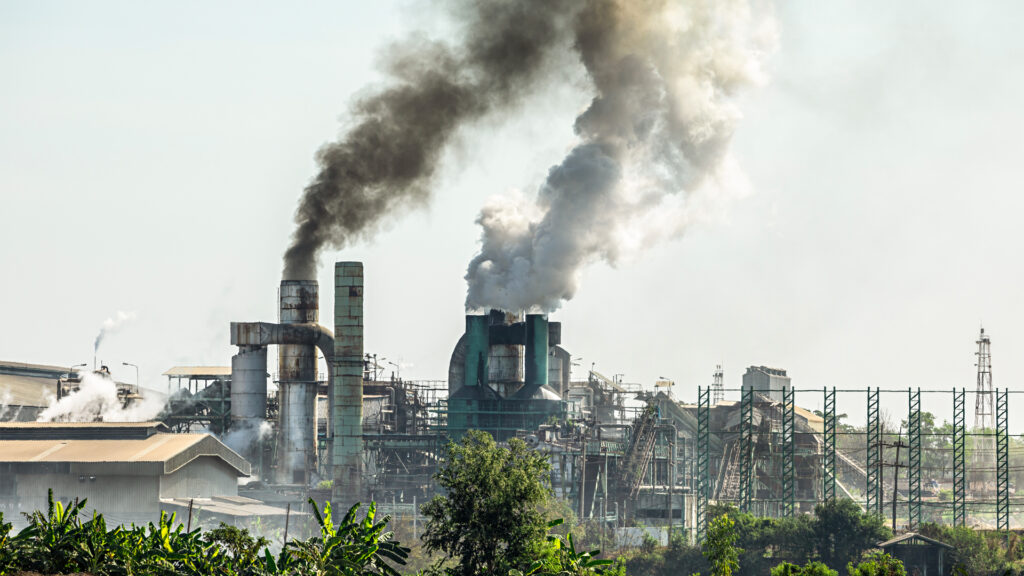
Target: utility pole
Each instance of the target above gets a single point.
(895, 474)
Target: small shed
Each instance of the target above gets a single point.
(921, 555)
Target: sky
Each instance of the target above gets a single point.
(152, 155)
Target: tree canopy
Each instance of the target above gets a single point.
(488, 517)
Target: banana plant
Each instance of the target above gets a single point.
(352, 548)
(9, 553)
(51, 540)
(567, 560)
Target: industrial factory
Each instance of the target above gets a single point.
(246, 444)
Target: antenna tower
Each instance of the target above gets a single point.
(984, 407)
(718, 385)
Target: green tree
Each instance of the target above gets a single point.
(243, 547)
(972, 551)
(720, 546)
(809, 569)
(489, 517)
(844, 533)
(877, 564)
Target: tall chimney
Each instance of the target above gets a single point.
(297, 380)
(346, 418)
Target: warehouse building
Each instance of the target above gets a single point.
(128, 471)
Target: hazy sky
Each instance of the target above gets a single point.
(151, 157)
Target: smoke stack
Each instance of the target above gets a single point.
(297, 381)
(536, 355)
(346, 401)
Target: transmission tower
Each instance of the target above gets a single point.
(984, 407)
(717, 386)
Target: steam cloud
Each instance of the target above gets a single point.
(654, 139)
(386, 161)
(96, 400)
(112, 325)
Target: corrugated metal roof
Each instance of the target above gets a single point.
(24, 366)
(79, 430)
(909, 537)
(237, 506)
(199, 371)
(19, 390)
(171, 450)
(80, 425)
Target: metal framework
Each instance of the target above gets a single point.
(959, 458)
(703, 456)
(1002, 462)
(983, 417)
(828, 476)
(874, 455)
(746, 449)
(718, 385)
(914, 460)
(789, 452)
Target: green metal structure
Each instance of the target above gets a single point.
(746, 449)
(1002, 462)
(828, 475)
(346, 389)
(874, 456)
(959, 458)
(789, 452)
(703, 459)
(914, 459)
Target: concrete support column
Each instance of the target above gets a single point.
(347, 391)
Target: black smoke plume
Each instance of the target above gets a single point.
(385, 163)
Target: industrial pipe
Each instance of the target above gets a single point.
(267, 333)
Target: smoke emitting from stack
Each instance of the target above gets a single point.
(386, 161)
(110, 326)
(654, 139)
(656, 132)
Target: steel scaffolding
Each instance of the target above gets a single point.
(874, 455)
(703, 457)
(914, 460)
(828, 476)
(959, 458)
(788, 452)
(1002, 462)
(746, 449)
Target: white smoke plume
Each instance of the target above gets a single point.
(112, 325)
(245, 438)
(96, 400)
(8, 411)
(653, 146)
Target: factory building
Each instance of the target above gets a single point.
(770, 382)
(618, 454)
(27, 389)
(126, 470)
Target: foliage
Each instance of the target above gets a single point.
(844, 533)
(838, 533)
(351, 548)
(8, 552)
(563, 559)
(243, 548)
(809, 569)
(877, 564)
(488, 518)
(973, 551)
(720, 546)
(58, 541)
